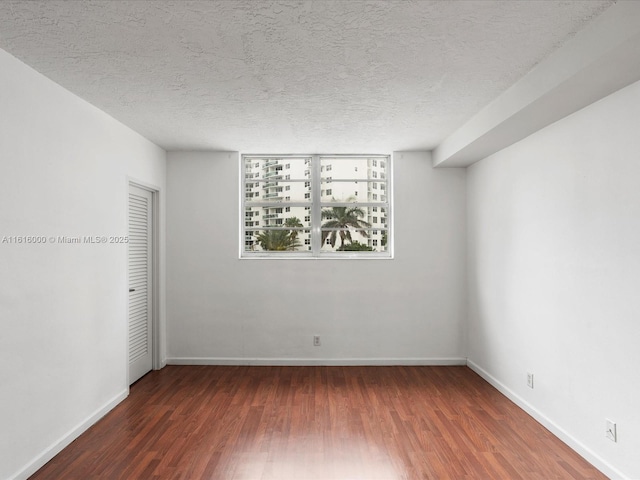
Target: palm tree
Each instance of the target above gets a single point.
(281, 240)
(293, 222)
(277, 240)
(342, 219)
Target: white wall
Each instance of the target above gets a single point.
(554, 272)
(221, 309)
(64, 168)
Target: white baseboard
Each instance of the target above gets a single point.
(69, 437)
(597, 461)
(316, 361)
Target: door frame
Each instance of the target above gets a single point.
(156, 335)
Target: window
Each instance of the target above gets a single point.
(314, 221)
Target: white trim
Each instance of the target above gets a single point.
(156, 359)
(439, 361)
(316, 208)
(577, 446)
(69, 437)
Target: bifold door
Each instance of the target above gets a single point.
(140, 282)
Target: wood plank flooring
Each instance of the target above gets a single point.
(316, 423)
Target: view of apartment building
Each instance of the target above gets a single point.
(279, 196)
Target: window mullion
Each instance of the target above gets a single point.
(243, 227)
(316, 211)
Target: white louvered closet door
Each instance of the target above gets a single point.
(140, 282)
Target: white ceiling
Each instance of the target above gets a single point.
(290, 76)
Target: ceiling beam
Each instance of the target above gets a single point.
(599, 60)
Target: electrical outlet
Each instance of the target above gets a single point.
(529, 380)
(611, 431)
(316, 340)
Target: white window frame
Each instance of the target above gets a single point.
(315, 208)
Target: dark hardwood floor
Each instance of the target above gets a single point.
(316, 423)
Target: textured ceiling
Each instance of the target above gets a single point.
(285, 76)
